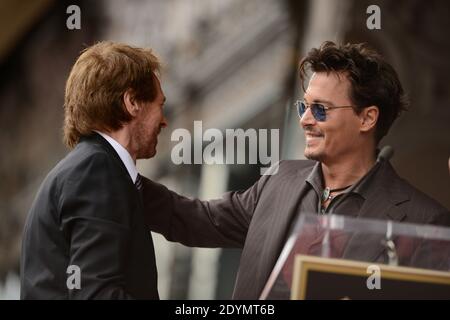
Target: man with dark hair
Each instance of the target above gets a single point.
(84, 237)
(352, 99)
(373, 81)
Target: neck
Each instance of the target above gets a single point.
(123, 136)
(339, 174)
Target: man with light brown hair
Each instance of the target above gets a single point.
(85, 236)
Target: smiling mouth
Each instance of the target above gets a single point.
(310, 135)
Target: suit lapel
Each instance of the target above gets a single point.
(383, 195)
(382, 198)
(281, 225)
(99, 140)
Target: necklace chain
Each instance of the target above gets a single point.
(326, 194)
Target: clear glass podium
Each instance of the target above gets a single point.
(339, 257)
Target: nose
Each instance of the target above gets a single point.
(307, 119)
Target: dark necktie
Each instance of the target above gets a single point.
(139, 183)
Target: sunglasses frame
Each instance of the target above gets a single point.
(314, 106)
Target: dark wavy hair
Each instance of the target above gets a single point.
(374, 82)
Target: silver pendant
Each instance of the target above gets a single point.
(325, 194)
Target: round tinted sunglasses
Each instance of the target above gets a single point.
(318, 110)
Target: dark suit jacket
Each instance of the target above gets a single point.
(259, 218)
(88, 213)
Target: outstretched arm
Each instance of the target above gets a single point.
(217, 223)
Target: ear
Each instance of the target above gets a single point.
(130, 103)
(369, 118)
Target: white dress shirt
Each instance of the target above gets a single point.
(123, 154)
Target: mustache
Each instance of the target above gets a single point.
(311, 130)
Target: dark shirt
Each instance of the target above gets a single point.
(312, 204)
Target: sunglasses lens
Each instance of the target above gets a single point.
(301, 108)
(318, 112)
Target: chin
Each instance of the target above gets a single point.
(312, 154)
(150, 154)
(147, 154)
(150, 150)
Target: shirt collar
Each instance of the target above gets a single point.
(315, 179)
(123, 154)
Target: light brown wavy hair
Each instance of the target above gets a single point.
(96, 85)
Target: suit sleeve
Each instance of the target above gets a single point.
(216, 223)
(94, 212)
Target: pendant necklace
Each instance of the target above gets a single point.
(326, 194)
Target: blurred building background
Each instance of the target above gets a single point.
(229, 63)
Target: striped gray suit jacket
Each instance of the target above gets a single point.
(259, 218)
